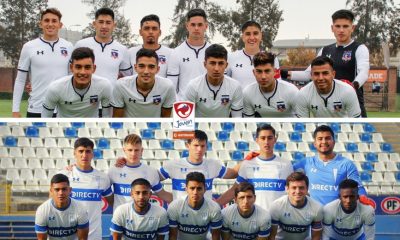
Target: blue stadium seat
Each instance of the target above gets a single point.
(352, 147)
(147, 134)
(71, 132)
(335, 127)
(366, 137)
(167, 144)
(223, 136)
(185, 153)
(297, 156)
(365, 177)
(237, 155)
(371, 157)
(103, 143)
(367, 166)
(3, 124)
(209, 146)
(387, 147)
(296, 137)
(116, 125)
(242, 146)
(10, 141)
(78, 124)
(312, 147)
(39, 124)
(228, 126)
(299, 127)
(32, 131)
(280, 147)
(154, 125)
(397, 176)
(97, 154)
(369, 128)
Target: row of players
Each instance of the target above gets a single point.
(264, 170)
(47, 59)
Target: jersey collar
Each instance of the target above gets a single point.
(299, 207)
(87, 89)
(141, 214)
(344, 46)
(84, 171)
(50, 44)
(198, 50)
(214, 92)
(251, 214)
(198, 208)
(136, 166)
(103, 45)
(61, 209)
(266, 159)
(192, 163)
(330, 94)
(273, 93)
(249, 56)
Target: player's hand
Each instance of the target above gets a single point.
(16, 114)
(121, 162)
(69, 167)
(356, 85)
(251, 155)
(28, 87)
(367, 201)
(284, 74)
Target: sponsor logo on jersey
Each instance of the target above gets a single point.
(346, 56)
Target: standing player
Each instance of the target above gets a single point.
(46, 58)
(81, 94)
(112, 57)
(191, 218)
(244, 219)
(326, 96)
(346, 218)
(293, 215)
(240, 63)
(215, 94)
(61, 217)
(89, 185)
(150, 32)
(268, 97)
(121, 178)
(350, 58)
(144, 94)
(140, 219)
(186, 62)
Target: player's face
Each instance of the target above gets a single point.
(266, 141)
(297, 191)
(195, 191)
(50, 25)
(348, 198)
(342, 29)
(265, 76)
(245, 201)
(82, 70)
(196, 27)
(60, 193)
(104, 26)
(324, 143)
(141, 195)
(322, 77)
(83, 156)
(252, 36)
(146, 68)
(215, 68)
(133, 153)
(197, 149)
(150, 32)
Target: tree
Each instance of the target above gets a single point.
(300, 56)
(19, 19)
(122, 31)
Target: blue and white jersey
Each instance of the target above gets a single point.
(133, 225)
(121, 179)
(88, 187)
(293, 222)
(192, 223)
(268, 177)
(256, 225)
(358, 225)
(325, 177)
(61, 223)
(177, 170)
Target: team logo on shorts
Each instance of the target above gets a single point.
(94, 99)
(162, 59)
(346, 56)
(224, 99)
(156, 99)
(280, 106)
(114, 54)
(64, 52)
(337, 106)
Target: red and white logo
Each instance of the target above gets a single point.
(391, 205)
(183, 109)
(104, 204)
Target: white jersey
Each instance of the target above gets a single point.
(88, 187)
(281, 102)
(46, 62)
(340, 102)
(295, 223)
(268, 177)
(121, 179)
(177, 170)
(69, 102)
(126, 96)
(163, 53)
(358, 225)
(60, 223)
(110, 58)
(240, 67)
(192, 223)
(256, 225)
(186, 63)
(214, 101)
(133, 225)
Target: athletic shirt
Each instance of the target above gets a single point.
(343, 226)
(121, 179)
(110, 58)
(295, 222)
(163, 53)
(185, 64)
(133, 225)
(280, 102)
(61, 223)
(46, 62)
(268, 177)
(126, 96)
(218, 102)
(177, 170)
(63, 95)
(258, 224)
(340, 102)
(325, 178)
(192, 223)
(88, 187)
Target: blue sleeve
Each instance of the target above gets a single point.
(157, 187)
(107, 192)
(40, 229)
(83, 226)
(352, 173)
(164, 173)
(116, 228)
(221, 173)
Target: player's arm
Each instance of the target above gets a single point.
(110, 199)
(227, 196)
(301, 76)
(117, 102)
(170, 99)
(262, 238)
(190, 93)
(362, 61)
(174, 70)
(116, 236)
(232, 173)
(173, 233)
(237, 103)
(316, 234)
(125, 68)
(166, 112)
(118, 112)
(225, 235)
(164, 195)
(160, 237)
(274, 230)
(248, 109)
(19, 85)
(83, 233)
(352, 104)
(352, 173)
(216, 234)
(50, 102)
(41, 236)
(302, 109)
(106, 101)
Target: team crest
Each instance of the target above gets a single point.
(94, 99)
(156, 99)
(64, 52)
(224, 99)
(337, 106)
(280, 106)
(162, 59)
(114, 54)
(346, 56)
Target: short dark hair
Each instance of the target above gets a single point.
(348, 183)
(244, 187)
(216, 51)
(323, 128)
(265, 127)
(263, 58)
(343, 14)
(197, 177)
(54, 11)
(199, 135)
(83, 142)
(148, 18)
(143, 52)
(321, 60)
(297, 176)
(104, 11)
(141, 181)
(250, 23)
(197, 12)
(82, 53)
(59, 178)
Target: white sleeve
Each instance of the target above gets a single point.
(117, 221)
(248, 109)
(293, 99)
(190, 92)
(369, 224)
(19, 87)
(106, 101)
(83, 218)
(173, 214)
(216, 218)
(125, 67)
(50, 101)
(265, 227)
(302, 110)
(41, 220)
(305, 75)
(237, 103)
(352, 104)
(174, 69)
(362, 60)
(163, 226)
(117, 98)
(170, 97)
(274, 211)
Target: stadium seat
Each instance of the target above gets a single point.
(307, 137)
(64, 143)
(51, 124)
(202, 126)
(335, 127)
(287, 127)
(23, 142)
(155, 164)
(18, 185)
(154, 144)
(68, 153)
(345, 127)
(209, 146)
(365, 177)
(354, 137)
(57, 132)
(397, 176)
(115, 144)
(32, 131)
(299, 127)
(240, 127)
(237, 155)
(377, 138)
(64, 124)
(291, 146)
(180, 145)
(247, 136)
(349, 155)
(373, 190)
(367, 166)
(280, 147)
(310, 127)
(371, 157)
(224, 155)
(253, 146)
(303, 147)
(32, 186)
(375, 147)
(366, 137)
(108, 154)
(55, 153)
(44, 132)
(78, 124)
(230, 145)
(20, 162)
(351, 147)
(147, 134)
(223, 136)
(173, 154)
(39, 124)
(363, 147)
(295, 137)
(109, 133)
(235, 136)
(211, 135)
(358, 128)
(71, 132)
(184, 153)
(42, 152)
(228, 126)
(39, 174)
(391, 166)
(342, 137)
(148, 154)
(34, 163)
(389, 177)
(242, 146)
(5, 131)
(44, 185)
(251, 127)
(166, 126)
(340, 147)
(154, 125)
(122, 133)
(48, 164)
(83, 132)
(387, 147)
(50, 143)
(116, 125)
(6, 163)
(387, 189)
(160, 155)
(61, 163)
(277, 126)
(10, 141)
(17, 131)
(26, 174)
(216, 126)
(359, 157)
(283, 136)
(286, 156)
(379, 167)
(297, 156)
(167, 144)
(160, 134)
(97, 154)
(369, 128)
(103, 143)
(102, 165)
(312, 147)
(377, 177)
(212, 154)
(394, 157)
